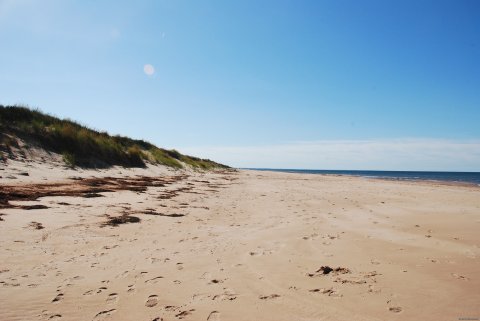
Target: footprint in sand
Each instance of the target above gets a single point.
(57, 298)
(154, 280)
(227, 295)
(55, 317)
(101, 289)
(152, 301)
(395, 309)
(460, 277)
(215, 281)
(269, 297)
(123, 274)
(103, 314)
(214, 316)
(183, 314)
(112, 298)
(201, 297)
(327, 291)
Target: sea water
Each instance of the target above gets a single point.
(459, 177)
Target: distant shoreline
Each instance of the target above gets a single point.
(448, 178)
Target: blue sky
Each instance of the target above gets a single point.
(258, 83)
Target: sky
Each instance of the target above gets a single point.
(327, 84)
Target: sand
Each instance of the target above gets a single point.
(237, 246)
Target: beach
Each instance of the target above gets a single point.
(157, 244)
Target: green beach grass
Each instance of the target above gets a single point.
(84, 147)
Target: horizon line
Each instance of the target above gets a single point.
(354, 170)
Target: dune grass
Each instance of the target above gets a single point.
(85, 147)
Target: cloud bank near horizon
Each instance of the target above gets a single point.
(377, 154)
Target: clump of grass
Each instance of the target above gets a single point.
(7, 142)
(161, 156)
(69, 159)
(85, 147)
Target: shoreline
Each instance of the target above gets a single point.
(406, 180)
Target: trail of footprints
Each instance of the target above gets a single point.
(153, 300)
(111, 299)
(340, 277)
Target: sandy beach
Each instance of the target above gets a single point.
(156, 244)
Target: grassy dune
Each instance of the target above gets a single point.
(83, 146)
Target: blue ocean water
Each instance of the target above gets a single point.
(460, 177)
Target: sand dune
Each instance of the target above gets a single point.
(167, 245)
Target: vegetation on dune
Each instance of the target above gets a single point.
(85, 147)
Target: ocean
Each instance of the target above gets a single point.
(458, 177)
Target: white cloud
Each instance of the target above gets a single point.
(377, 154)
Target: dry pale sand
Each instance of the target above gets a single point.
(239, 246)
